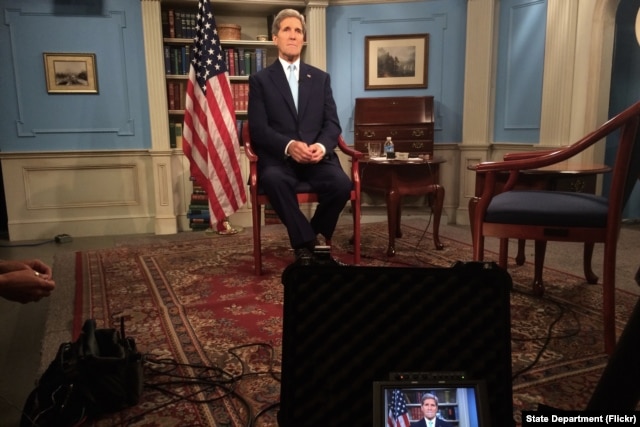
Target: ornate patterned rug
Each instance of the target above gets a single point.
(211, 329)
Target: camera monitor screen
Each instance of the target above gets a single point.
(461, 403)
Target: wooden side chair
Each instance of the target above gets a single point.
(538, 285)
(259, 199)
(562, 216)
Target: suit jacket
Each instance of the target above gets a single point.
(423, 423)
(273, 120)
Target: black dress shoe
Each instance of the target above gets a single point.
(322, 256)
(304, 256)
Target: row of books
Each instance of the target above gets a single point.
(176, 93)
(240, 61)
(175, 141)
(178, 23)
(177, 59)
(244, 62)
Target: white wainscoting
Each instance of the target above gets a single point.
(125, 192)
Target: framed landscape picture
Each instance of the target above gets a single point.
(396, 62)
(70, 72)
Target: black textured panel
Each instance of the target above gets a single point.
(345, 327)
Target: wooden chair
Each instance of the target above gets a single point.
(562, 216)
(259, 199)
(538, 285)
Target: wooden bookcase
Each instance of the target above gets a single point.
(245, 54)
(252, 17)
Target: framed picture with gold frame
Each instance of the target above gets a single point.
(71, 72)
(396, 61)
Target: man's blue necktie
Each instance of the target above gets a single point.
(293, 84)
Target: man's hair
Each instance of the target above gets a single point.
(288, 13)
(429, 396)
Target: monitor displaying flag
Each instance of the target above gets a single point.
(210, 136)
(398, 416)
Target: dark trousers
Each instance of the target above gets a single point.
(327, 178)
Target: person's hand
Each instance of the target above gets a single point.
(7, 266)
(317, 152)
(303, 153)
(300, 152)
(27, 285)
(43, 269)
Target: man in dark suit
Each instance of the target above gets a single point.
(429, 408)
(294, 129)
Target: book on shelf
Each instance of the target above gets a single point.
(171, 23)
(167, 59)
(196, 198)
(205, 221)
(177, 16)
(199, 216)
(178, 140)
(259, 53)
(164, 18)
(249, 62)
(198, 209)
(171, 98)
(241, 70)
(230, 54)
(172, 135)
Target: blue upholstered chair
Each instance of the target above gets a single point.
(502, 212)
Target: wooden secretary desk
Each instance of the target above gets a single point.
(408, 120)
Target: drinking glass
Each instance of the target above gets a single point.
(374, 149)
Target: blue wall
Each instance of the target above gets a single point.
(520, 69)
(443, 20)
(33, 120)
(117, 117)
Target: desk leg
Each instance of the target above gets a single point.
(437, 204)
(393, 201)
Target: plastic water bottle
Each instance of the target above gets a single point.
(389, 150)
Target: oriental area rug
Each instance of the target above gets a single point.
(211, 330)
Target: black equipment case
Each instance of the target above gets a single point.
(345, 327)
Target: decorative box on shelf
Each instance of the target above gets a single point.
(229, 31)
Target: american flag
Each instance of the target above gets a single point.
(210, 136)
(398, 416)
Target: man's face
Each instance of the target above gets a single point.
(429, 408)
(289, 39)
